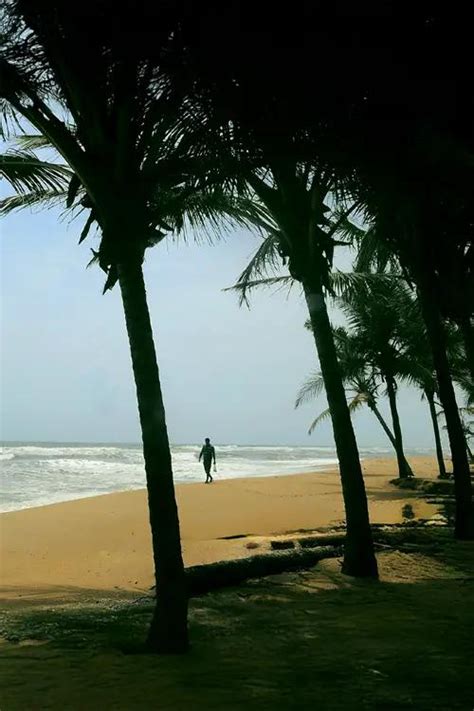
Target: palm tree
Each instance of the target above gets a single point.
(279, 139)
(373, 313)
(428, 279)
(357, 374)
(419, 367)
(302, 233)
(288, 142)
(171, 595)
(468, 426)
(383, 129)
(463, 379)
(413, 360)
(122, 129)
(430, 395)
(418, 364)
(408, 157)
(417, 234)
(44, 184)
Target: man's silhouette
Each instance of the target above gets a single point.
(208, 455)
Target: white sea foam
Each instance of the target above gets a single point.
(35, 474)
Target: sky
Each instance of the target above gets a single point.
(229, 373)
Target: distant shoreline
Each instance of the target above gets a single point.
(413, 451)
(40, 474)
(103, 542)
(271, 475)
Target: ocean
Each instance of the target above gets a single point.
(35, 474)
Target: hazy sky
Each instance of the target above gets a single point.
(228, 373)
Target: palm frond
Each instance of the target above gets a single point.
(412, 369)
(358, 401)
(355, 404)
(464, 381)
(32, 142)
(342, 226)
(311, 388)
(26, 173)
(87, 226)
(268, 282)
(324, 415)
(374, 253)
(345, 283)
(9, 120)
(40, 199)
(212, 214)
(266, 258)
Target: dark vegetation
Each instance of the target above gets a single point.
(317, 126)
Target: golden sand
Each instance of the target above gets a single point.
(103, 542)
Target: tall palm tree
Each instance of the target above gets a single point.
(122, 129)
(463, 379)
(418, 364)
(419, 367)
(279, 139)
(422, 257)
(108, 138)
(44, 184)
(468, 425)
(358, 376)
(367, 129)
(430, 395)
(403, 322)
(418, 234)
(373, 313)
(302, 233)
(290, 141)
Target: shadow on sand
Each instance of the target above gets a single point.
(312, 639)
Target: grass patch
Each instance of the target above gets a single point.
(302, 640)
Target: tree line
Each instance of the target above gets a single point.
(302, 124)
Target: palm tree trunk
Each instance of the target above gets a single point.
(387, 431)
(168, 631)
(467, 330)
(404, 469)
(464, 524)
(359, 557)
(385, 427)
(437, 436)
(470, 453)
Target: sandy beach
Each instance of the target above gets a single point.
(103, 542)
(76, 606)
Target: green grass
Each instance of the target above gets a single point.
(312, 640)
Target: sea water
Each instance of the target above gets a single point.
(35, 474)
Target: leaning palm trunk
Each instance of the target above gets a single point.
(385, 427)
(470, 453)
(437, 436)
(168, 631)
(359, 557)
(404, 469)
(467, 330)
(464, 524)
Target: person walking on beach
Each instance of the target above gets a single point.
(208, 455)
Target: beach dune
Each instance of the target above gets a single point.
(103, 542)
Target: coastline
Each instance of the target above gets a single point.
(103, 542)
(39, 474)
